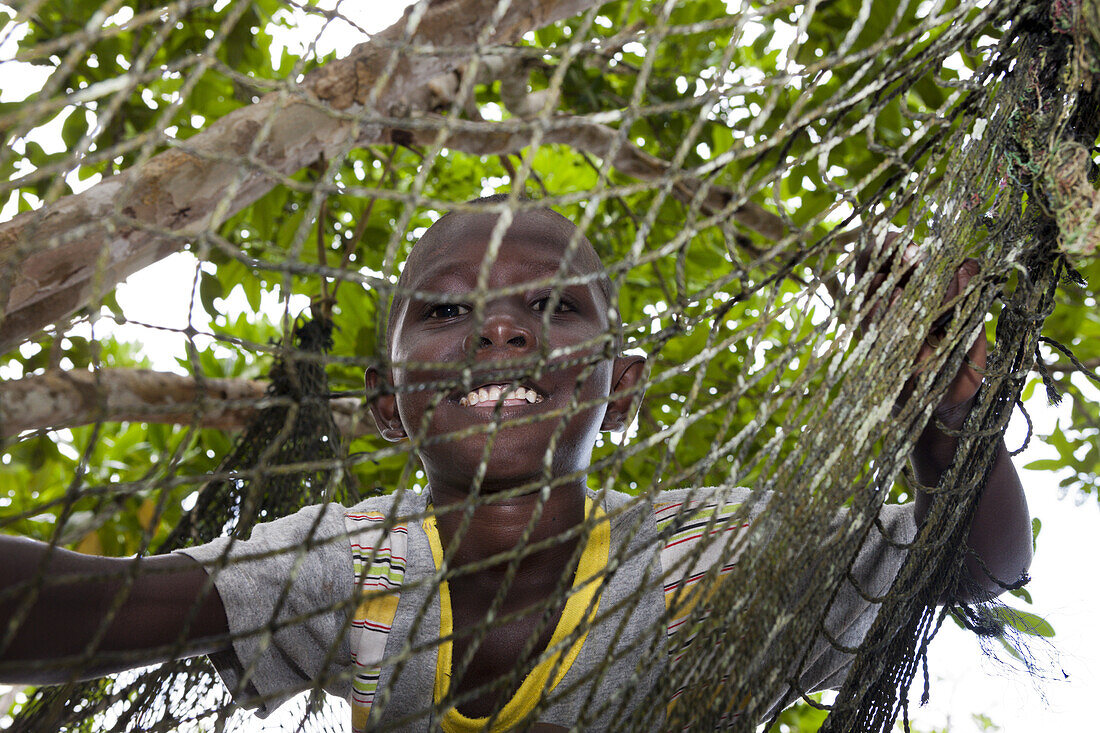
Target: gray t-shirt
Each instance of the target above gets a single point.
(290, 599)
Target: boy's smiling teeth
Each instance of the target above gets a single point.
(490, 394)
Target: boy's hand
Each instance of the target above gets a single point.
(957, 400)
(998, 546)
(999, 542)
(960, 394)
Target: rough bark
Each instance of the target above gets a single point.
(55, 260)
(60, 399)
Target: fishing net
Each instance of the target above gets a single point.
(751, 175)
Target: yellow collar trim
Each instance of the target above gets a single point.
(581, 607)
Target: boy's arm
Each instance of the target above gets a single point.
(63, 637)
(1000, 533)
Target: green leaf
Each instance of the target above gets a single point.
(1024, 622)
(1045, 464)
(210, 288)
(75, 127)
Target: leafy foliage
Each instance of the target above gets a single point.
(770, 151)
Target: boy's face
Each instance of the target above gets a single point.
(500, 354)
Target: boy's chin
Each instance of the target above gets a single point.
(511, 465)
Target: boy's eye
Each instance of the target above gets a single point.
(443, 311)
(562, 306)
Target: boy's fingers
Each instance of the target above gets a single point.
(971, 371)
(968, 378)
(966, 272)
(910, 257)
(893, 298)
(963, 275)
(958, 283)
(863, 257)
(914, 254)
(979, 349)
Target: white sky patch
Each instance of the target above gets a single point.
(964, 682)
(21, 79)
(158, 301)
(354, 20)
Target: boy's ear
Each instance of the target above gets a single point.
(626, 375)
(383, 407)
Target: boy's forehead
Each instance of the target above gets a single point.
(460, 239)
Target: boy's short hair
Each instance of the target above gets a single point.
(584, 254)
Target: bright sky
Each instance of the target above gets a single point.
(1065, 592)
(964, 682)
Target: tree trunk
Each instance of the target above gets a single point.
(58, 259)
(60, 399)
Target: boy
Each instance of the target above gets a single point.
(349, 600)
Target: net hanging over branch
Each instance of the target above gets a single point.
(781, 196)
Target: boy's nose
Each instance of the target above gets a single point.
(504, 331)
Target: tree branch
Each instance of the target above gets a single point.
(1067, 367)
(59, 258)
(59, 399)
(583, 135)
(596, 139)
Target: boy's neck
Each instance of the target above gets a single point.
(498, 526)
